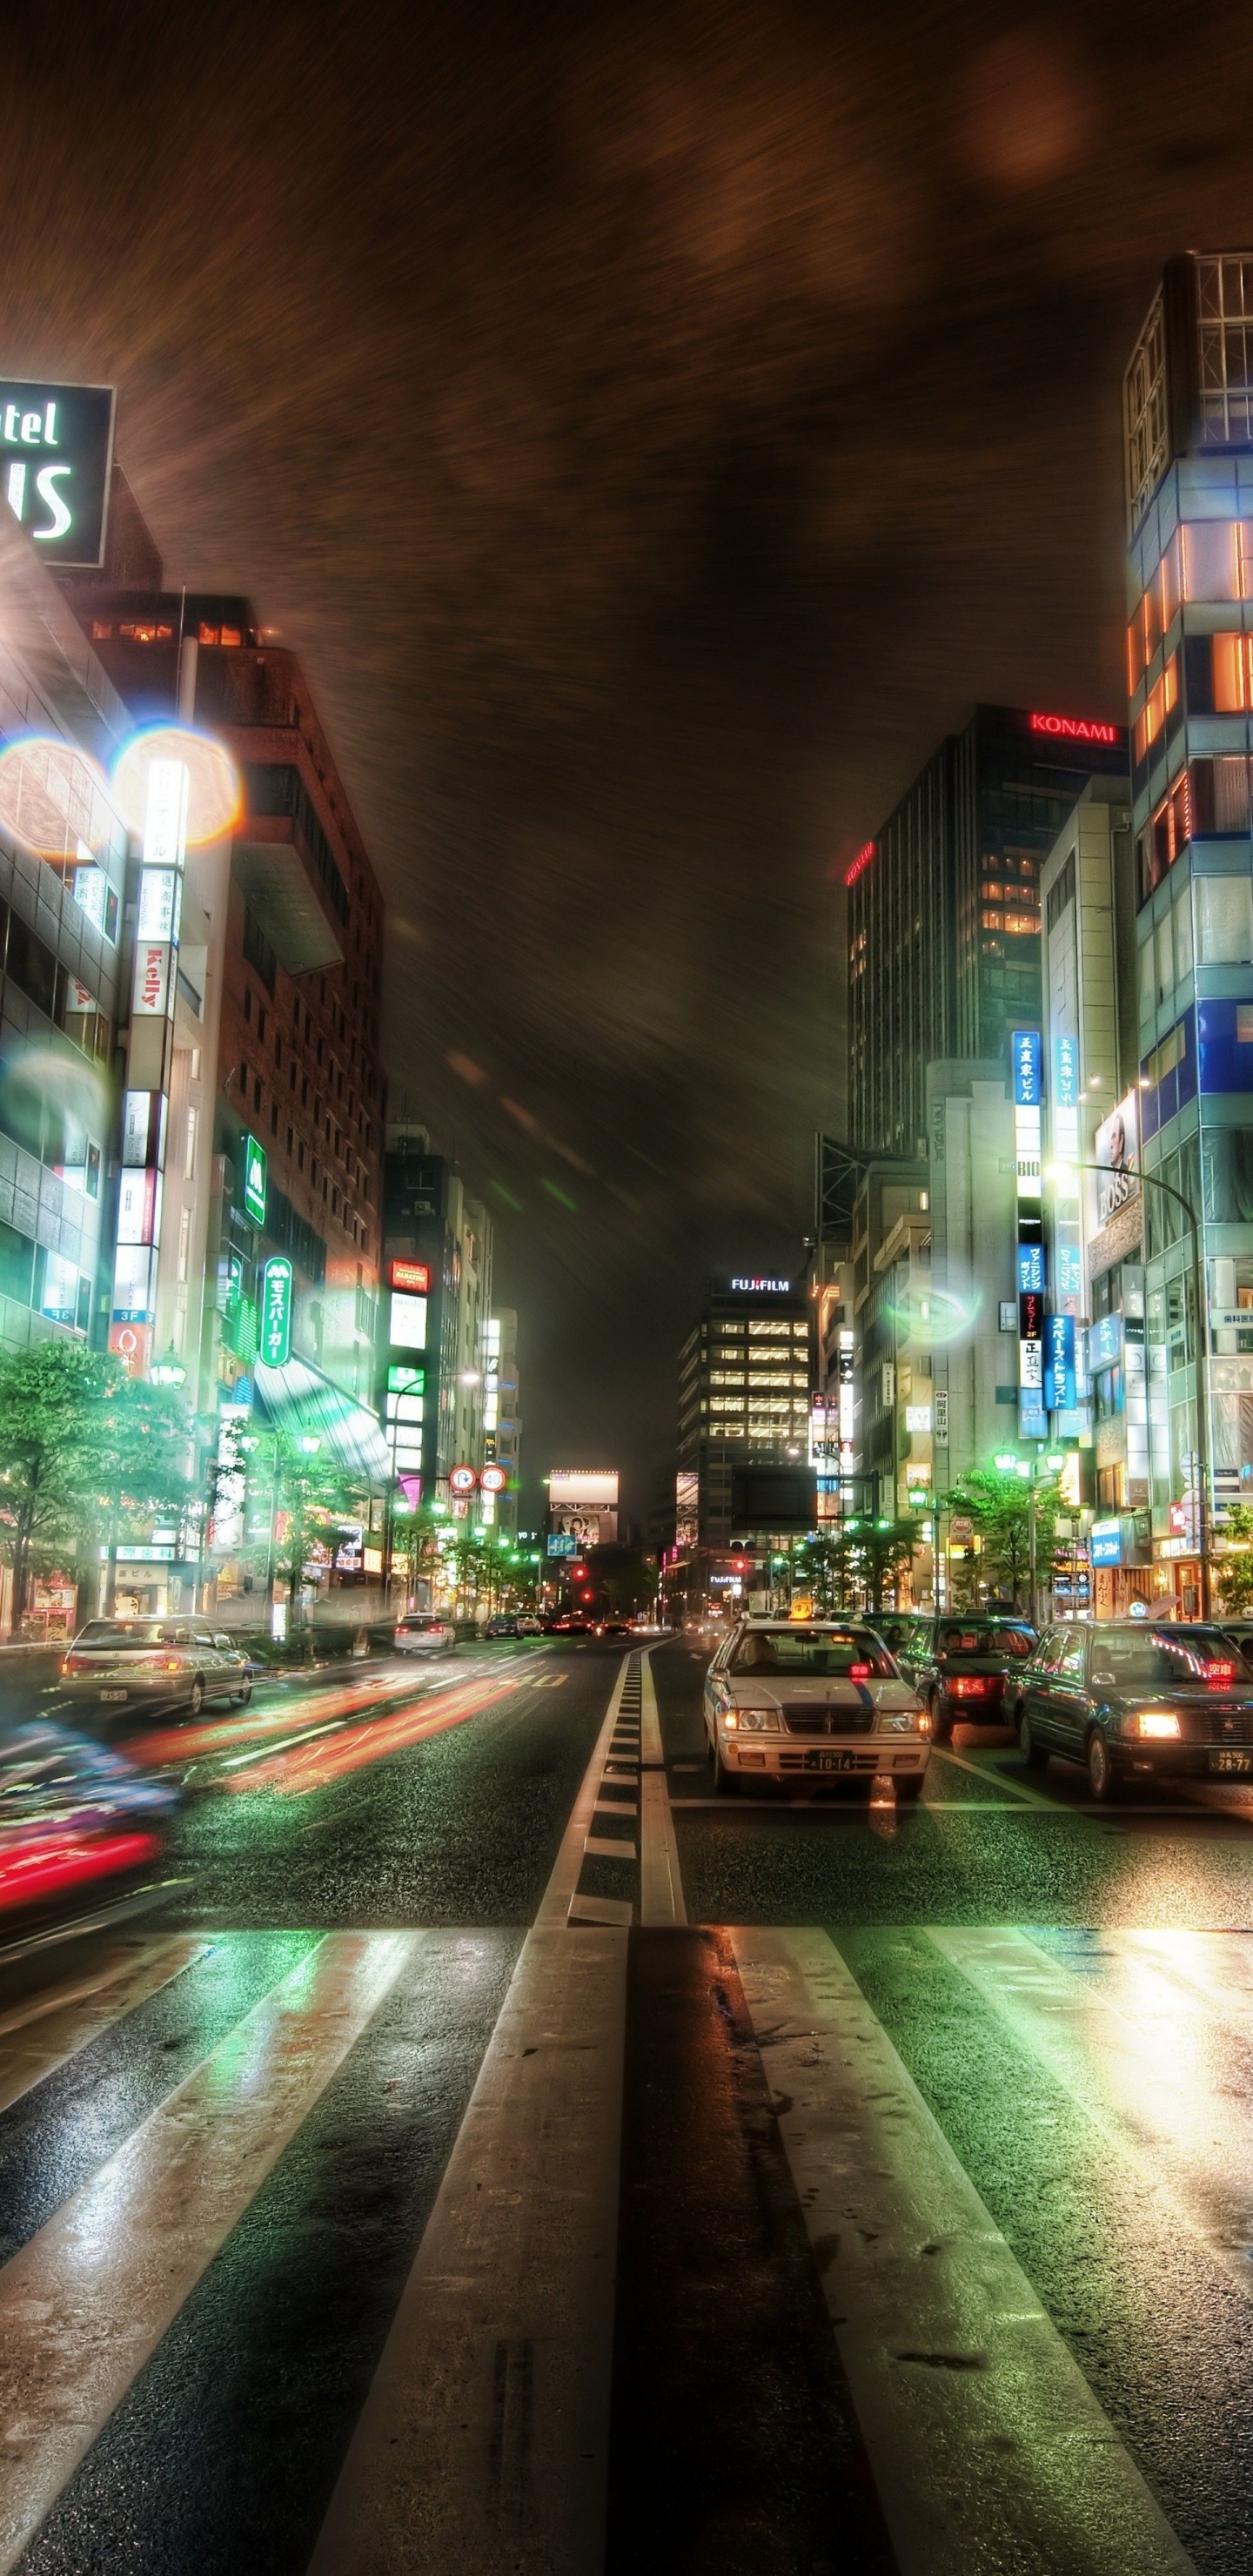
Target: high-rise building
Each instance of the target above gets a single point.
(1094, 1224)
(249, 1209)
(1189, 480)
(437, 1252)
(944, 910)
(61, 927)
(745, 1375)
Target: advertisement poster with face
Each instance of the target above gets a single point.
(1116, 1149)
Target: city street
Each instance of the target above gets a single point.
(493, 2151)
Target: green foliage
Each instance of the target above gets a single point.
(852, 1564)
(998, 1502)
(314, 1493)
(82, 1449)
(1233, 1575)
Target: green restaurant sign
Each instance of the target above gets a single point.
(274, 1345)
(254, 1180)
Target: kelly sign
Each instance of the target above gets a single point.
(56, 456)
(276, 1304)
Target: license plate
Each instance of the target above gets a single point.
(1225, 1761)
(830, 1762)
(113, 1694)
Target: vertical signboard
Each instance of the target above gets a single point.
(1026, 1061)
(274, 1327)
(254, 1180)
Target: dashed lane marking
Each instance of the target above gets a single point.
(40, 2034)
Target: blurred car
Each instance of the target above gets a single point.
(896, 1627)
(1238, 1632)
(963, 1666)
(424, 1632)
(785, 1699)
(75, 1818)
(614, 1628)
(503, 1624)
(529, 1625)
(569, 1625)
(1131, 1701)
(114, 1666)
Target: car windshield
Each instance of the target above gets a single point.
(1155, 1660)
(967, 1637)
(808, 1653)
(133, 1632)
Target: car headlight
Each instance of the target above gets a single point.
(1155, 1722)
(754, 1721)
(901, 1721)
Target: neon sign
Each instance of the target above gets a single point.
(862, 860)
(1076, 728)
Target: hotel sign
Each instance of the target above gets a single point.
(56, 456)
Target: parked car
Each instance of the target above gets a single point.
(1137, 1702)
(120, 1666)
(784, 1700)
(529, 1625)
(961, 1665)
(424, 1632)
(502, 1624)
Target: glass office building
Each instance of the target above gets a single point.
(944, 909)
(1189, 468)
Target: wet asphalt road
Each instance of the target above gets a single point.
(1068, 1991)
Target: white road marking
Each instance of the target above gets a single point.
(1012, 1788)
(85, 2303)
(1146, 2055)
(72, 2016)
(988, 2448)
(482, 2448)
(661, 1884)
(609, 1847)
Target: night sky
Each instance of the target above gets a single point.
(653, 427)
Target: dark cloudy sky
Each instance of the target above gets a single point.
(653, 425)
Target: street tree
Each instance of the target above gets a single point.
(83, 1448)
(997, 1501)
(884, 1551)
(1233, 1574)
(313, 1496)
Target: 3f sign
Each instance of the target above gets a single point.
(56, 453)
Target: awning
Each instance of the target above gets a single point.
(301, 1398)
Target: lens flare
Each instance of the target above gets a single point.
(55, 799)
(215, 795)
(935, 1315)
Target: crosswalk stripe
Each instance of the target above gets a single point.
(482, 2447)
(85, 2303)
(1147, 2062)
(38, 2036)
(982, 2432)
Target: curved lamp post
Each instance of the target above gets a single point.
(1150, 1181)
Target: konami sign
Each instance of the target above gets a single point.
(860, 863)
(1076, 728)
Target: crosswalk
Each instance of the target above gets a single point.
(1019, 2161)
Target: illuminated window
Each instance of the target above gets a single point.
(207, 635)
(726, 1377)
(1233, 673)
(1157, 707)
(1145, 414)
(1212, 559)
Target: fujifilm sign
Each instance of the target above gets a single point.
(773, 1287)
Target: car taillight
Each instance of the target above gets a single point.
(971, 1686)
(74, 1664)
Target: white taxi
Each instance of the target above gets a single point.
(786, 1699)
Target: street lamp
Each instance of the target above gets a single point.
(1059, 1173)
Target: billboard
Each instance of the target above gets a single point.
(583, 1504)
(773, 1501)
(1116, 1148)
(56, 451)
